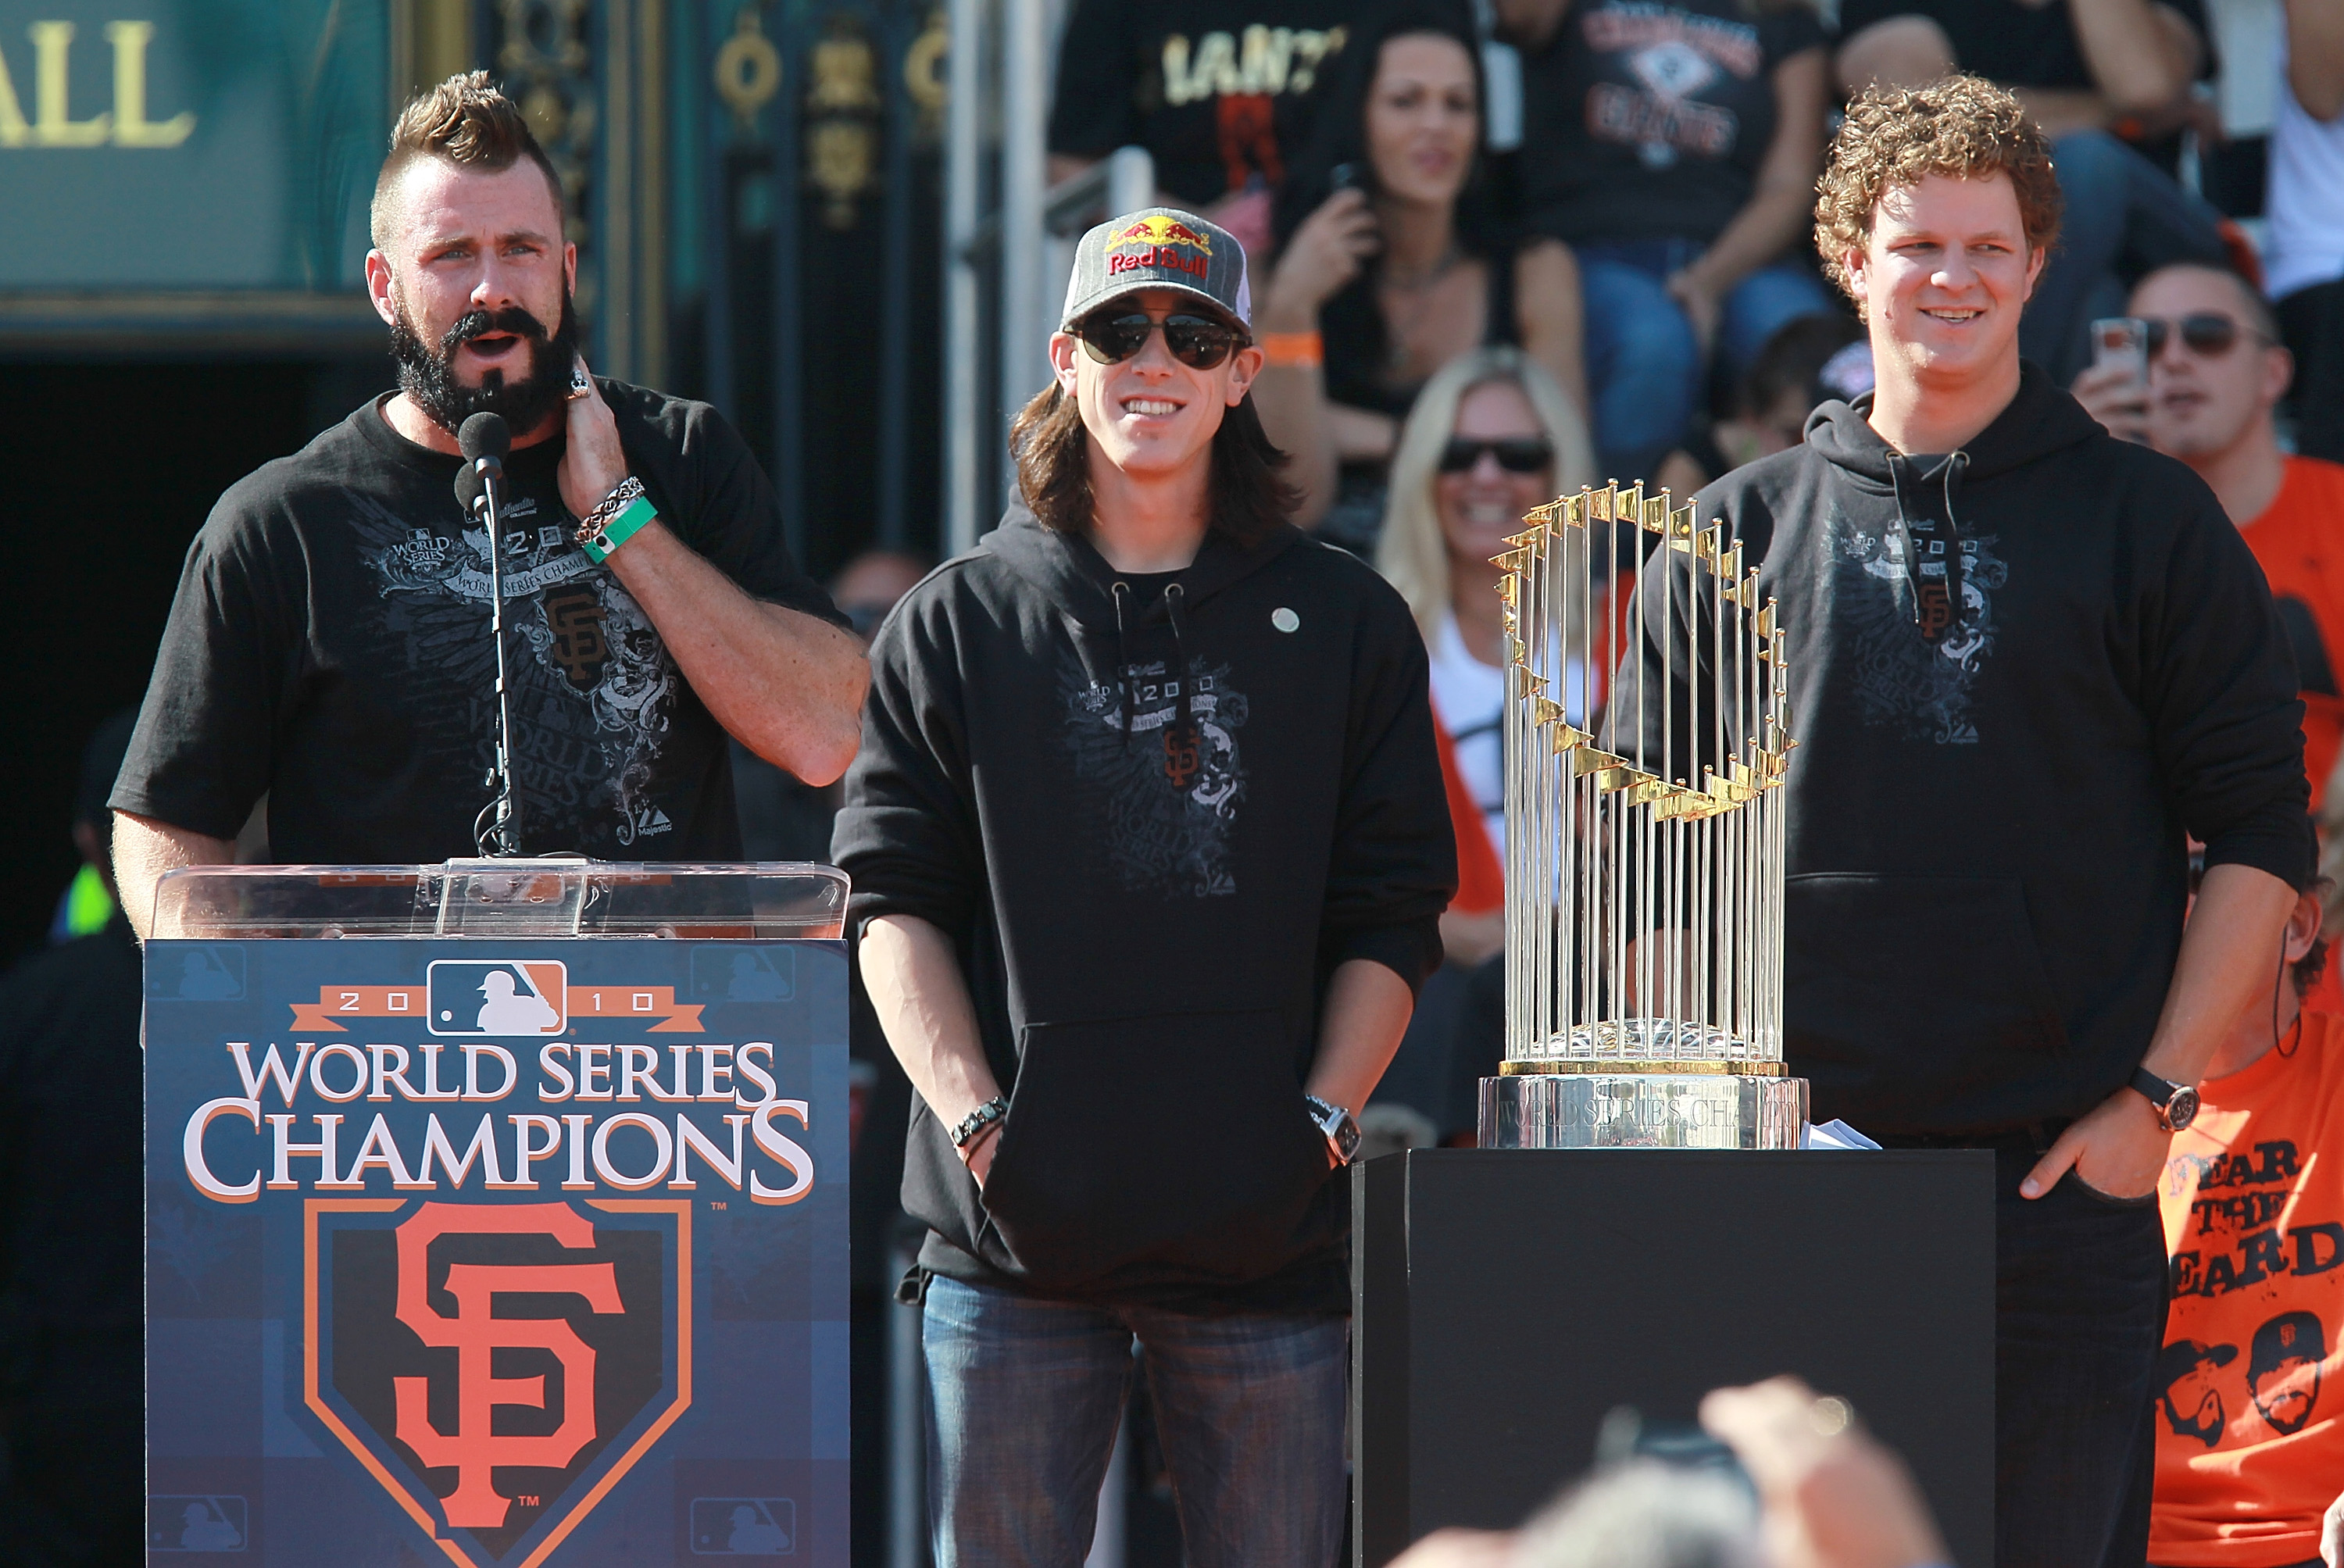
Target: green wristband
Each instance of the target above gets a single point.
(619, 529)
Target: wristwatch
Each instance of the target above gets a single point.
(1342, 1131)
(2176, 1103)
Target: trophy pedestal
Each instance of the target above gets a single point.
(1502, 1303)
(1643, 1105)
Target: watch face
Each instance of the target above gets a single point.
(2181, 1109)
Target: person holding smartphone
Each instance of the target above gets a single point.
(1149, 847)
(2213, 372)
(1393, 265)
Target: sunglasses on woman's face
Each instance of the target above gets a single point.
(1515, 454)
(1195, 342)
(2205, 333)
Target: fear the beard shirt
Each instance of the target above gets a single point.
(330, 646)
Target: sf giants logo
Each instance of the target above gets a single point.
(498, 1367)
(473, 1450)
(1936, 608)
(575, 616)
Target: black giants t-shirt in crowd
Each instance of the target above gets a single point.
(2005, 41)
(1218, 91)
(330, 645)
(1645, 121)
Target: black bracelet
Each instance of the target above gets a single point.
(978, 1120)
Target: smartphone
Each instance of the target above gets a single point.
(1625, 1434)
(2122, 342)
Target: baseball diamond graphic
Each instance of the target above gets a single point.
(498, 1367)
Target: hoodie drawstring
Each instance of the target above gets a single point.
(1186, 728)
(1119, 591)
(1174, 597)
(1937, 604)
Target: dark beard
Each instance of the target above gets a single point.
(428, 377)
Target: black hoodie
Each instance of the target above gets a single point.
(1987, 809)
(1149, 880)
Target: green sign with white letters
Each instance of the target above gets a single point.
(152, 146)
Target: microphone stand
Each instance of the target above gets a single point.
(497, 831)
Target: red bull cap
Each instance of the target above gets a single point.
(1159, 248)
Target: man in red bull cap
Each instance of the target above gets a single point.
(1149, 849)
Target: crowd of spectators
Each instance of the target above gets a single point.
(1510, 246)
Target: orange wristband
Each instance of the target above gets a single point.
(1293, 350)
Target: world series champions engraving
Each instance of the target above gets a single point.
(533, 1252)
(1644, 849)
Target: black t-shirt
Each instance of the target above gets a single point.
(1218, 91)
(330, 644)
(2004, 41)
(1644, 121)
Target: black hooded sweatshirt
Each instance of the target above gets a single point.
(1153, 819)
(1988, 809)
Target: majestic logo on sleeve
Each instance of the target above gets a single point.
(499, 1367)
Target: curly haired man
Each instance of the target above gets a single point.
(2028, 661)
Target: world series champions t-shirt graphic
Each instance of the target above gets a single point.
(2249, 1427)
(330, 647)
(1646, 121)
(1220, 93)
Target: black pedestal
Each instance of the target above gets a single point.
(1504, 1301)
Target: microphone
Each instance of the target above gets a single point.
(485, 436)
(484, 441)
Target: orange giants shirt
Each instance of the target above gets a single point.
(2250, 1384)
(2300, 541)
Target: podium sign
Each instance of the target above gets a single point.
(506, 1252)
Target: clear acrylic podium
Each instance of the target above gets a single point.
(497, 1212)
(505, 898)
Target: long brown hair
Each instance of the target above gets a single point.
(1249, 496)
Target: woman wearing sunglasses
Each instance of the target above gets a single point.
(1394, 264)
(1149, 852)
(1490, 436)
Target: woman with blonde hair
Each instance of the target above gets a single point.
(1491, 436)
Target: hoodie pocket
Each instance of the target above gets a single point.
(1171, 1146)
(1934, 978)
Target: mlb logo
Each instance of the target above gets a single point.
(499, 998)
(744, 1527)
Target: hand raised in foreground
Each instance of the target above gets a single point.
(1455, 1548)
(1831, 1496)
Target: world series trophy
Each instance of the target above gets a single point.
(1644, 862)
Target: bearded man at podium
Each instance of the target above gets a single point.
(330, 645)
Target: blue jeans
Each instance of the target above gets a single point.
(2079, 1316)
(1024, 1395)
(1644, 365)
(2124, 219)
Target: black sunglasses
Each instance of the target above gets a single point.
(2206, 332)
(1195, 342)
(1515, 454)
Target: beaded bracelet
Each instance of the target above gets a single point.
(978, 1120)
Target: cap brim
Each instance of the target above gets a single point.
(1148, 285)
